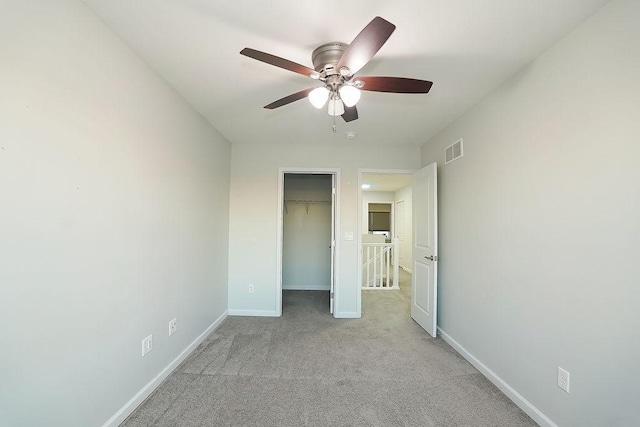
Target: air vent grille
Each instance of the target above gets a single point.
(453, 152)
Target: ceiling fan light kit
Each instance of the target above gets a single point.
(335, 65)
(319, 96)
(336, 107)
(350, 95)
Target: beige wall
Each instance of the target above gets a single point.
(253, 243)
(113, 218)
(406, 237)
(540, 225)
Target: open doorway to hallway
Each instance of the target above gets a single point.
(386, 237)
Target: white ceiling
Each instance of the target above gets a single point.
(466, 47)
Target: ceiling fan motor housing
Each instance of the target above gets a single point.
(326, 57)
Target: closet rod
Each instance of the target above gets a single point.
(307, 201)
(303, 201)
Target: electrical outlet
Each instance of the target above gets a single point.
(251, 289)
(147, 345)
(173, 326)
(563, 379)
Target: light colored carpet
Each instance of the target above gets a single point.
(309, 369)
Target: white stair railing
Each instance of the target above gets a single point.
(380, 265)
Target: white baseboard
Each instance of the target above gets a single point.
(509, 391)
(149, 388)
(347, 315)
(253, 313)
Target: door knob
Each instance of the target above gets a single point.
(432, 257)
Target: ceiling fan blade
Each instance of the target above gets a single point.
(394, 84)
(366, 44)
(279, 62)
(289, 99)
(350, 114)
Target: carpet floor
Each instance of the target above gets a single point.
(308, 369)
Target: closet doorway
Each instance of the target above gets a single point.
(307, 243)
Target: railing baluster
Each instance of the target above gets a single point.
(382, 248)
(396, 262)
(378, 259)
(388, 284)
(372, 267)
(380, 268)
(368, 266)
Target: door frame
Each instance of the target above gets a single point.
(279, 230)
(362, 171)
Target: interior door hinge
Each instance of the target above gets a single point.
(331, 295)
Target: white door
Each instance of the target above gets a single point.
(333, 243)
(425, 248)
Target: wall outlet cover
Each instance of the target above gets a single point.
(173, 326)
(563, 379)
(147, 345)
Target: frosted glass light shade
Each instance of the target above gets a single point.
(336, 107)
(350, 95)
(318, 97)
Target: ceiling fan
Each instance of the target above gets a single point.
(335, 65)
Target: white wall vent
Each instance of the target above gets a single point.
(453, 152)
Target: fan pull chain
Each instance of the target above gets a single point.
(334, 124)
